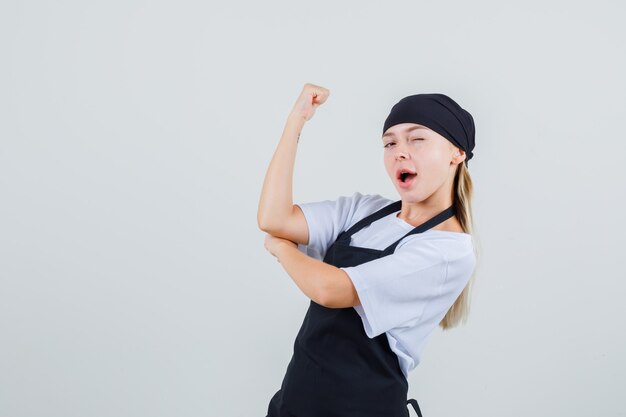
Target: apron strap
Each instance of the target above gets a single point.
(416, 407)
(388, 209)
(432, 222)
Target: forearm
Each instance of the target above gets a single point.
(276, 201)
(310, 275)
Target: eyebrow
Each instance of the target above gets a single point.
(410, 129)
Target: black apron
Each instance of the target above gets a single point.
(336, 370)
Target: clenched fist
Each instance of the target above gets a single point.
(309, 100)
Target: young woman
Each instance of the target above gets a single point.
(381, 274)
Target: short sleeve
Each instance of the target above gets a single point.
(394, 290)
(326, 219)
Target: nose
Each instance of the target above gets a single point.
(400, 154)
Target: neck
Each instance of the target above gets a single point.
(421, 211)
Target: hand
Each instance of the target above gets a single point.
(272, 244)
(310, 99)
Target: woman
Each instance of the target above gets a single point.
(381, 274)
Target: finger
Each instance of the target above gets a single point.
(320, 97)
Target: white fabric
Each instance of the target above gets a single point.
(405, 294)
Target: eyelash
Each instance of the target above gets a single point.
(393, 142)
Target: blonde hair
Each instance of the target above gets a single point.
(462, 203)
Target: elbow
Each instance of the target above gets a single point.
(262, 223)
(262, 220)
(324, 297)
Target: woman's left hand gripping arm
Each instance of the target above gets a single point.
(323, 283)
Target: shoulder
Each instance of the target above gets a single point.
(366, 204)
(368, 200)
(447, 246)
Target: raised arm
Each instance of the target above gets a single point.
(277, 214)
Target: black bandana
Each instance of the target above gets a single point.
(437, 112)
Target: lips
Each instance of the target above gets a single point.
(403, 173)
(405, 177)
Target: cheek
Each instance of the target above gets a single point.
(388, 161)
(431, 167)
(439, 153)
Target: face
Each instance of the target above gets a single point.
(424, 152)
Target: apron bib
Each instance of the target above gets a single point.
(336, 370)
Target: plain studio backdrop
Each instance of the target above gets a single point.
(134, 139)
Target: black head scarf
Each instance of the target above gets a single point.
(437, 112)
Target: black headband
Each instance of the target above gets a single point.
(440, 113)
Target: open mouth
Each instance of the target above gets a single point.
(406, 177)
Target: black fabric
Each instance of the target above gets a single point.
(336, 370)
(440, 113)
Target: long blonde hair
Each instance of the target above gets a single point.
(462, 203)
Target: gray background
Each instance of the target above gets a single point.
(135, 136)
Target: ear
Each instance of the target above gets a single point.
(459, 156)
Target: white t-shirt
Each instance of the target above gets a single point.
(407, 293)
